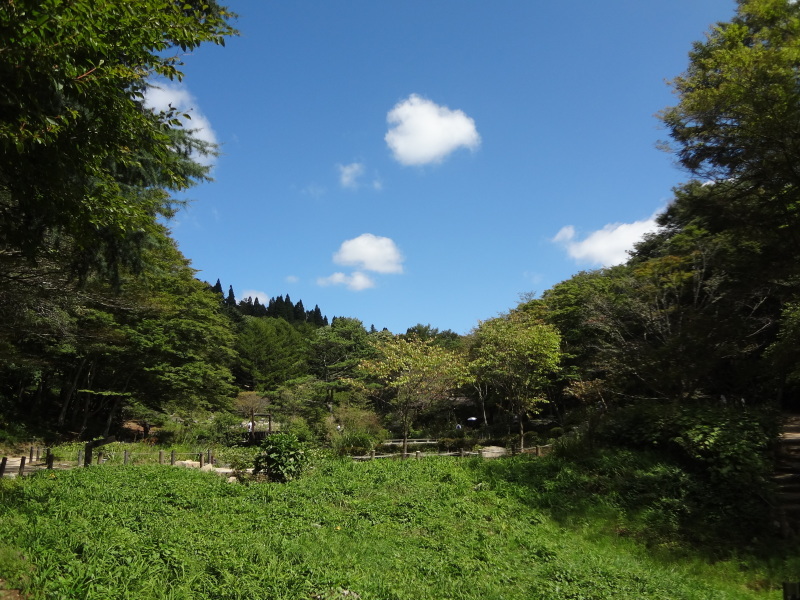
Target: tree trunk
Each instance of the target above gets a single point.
(112, 412)
(67, 395)
(521, 432)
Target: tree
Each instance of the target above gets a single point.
(334, 353)
(738, 116)
(516, 356)
(72, 78)
(419, 374)
(270, 352)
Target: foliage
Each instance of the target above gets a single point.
(270, 353)
(418, 373)
(725, 449)
(516, 357)
(429, 529)
(72, 77)
(282, 458)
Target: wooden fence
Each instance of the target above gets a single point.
(92, 453)
(43, 458)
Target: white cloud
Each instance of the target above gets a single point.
(161, 97)
(356, 281)
(422, 132)
(367, 252)
(607, 246)
(349, 174)
(263, 298)
(370, 253)
(292, 279)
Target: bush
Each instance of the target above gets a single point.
(282, 458)
(299, 427)
(349, 443)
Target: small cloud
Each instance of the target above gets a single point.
(370, 253)
(292, 279)
(263, 298)
(377, 184)
(607, 246)
(356, 281)
(349, 174)
(422, 132)
(164, 96)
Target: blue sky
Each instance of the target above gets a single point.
(430, 161)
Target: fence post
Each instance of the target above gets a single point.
(372, 455)
(202, 460)
(161, 457)
(791, 591)
(80, 457)
(3, 462)
(21, 465)
(417, 455)
(99, 458)
(49, 458)
(208, 456)
(125, 457)
(462, 453)
(31, 454)
(172, 458)
(87, 454)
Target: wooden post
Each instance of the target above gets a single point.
(202, 460)
(80, 457)
(417, 455)
(49, 458)
(791, 591)
(3, 462)
(172, 458)
(99, 458)
(87, 454)
(372, 455)
(462, 453)
(21, 465)
(161, 457)
(125, 455)
(208, 456)
(31, 454)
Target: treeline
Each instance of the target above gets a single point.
(277, 307)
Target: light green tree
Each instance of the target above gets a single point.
(516, 357)
(417, 374)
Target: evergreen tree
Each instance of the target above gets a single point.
(230, 301)
(299, 315)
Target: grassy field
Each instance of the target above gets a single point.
(432, 529)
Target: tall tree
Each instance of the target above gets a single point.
(738, 116)
(72, 77)
(335, 351)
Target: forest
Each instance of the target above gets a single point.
(689, 350)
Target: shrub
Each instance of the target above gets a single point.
(349, 443)
(282, 458)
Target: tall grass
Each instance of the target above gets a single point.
(433, 529)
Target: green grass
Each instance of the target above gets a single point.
(390, 530)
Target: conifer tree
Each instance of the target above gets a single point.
(230, 301)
